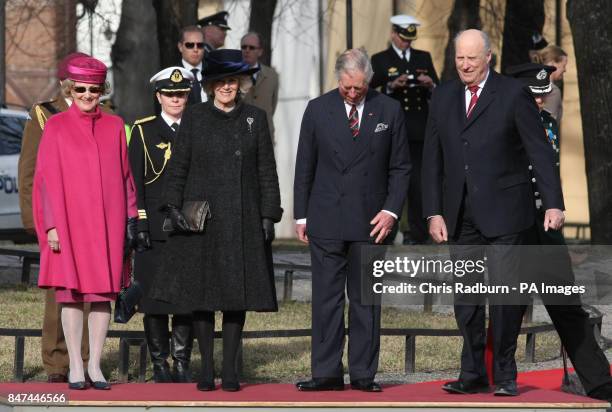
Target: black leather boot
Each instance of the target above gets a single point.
(204, 331)
(181, 343)
(158, 341)
(233, 322)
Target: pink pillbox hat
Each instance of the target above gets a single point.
(86, 69)
(62, 66)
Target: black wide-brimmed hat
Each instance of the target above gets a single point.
(534, 75)
(224, 63)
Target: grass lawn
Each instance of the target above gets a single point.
(274, 360)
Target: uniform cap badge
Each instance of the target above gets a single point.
(176, 76)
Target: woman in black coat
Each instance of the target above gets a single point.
(223, 155)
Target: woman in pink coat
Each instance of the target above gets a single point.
(83, 196)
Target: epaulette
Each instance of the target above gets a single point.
(144, 120)
(40, 115)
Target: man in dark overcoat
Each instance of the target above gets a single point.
(351, 175)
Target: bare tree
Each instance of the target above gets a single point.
(523, 20)
(592, 35)
(465, 15)
(135, 57)
(261, 19)
(171, 17)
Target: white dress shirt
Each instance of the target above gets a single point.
(199, 77)
(168, 120)
(399, 52)
(468, 94)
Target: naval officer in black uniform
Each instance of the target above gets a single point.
(150, 151)
(408, 75)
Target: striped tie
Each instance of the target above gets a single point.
(474, 91)
(354, 121)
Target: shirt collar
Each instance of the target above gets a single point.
(399, 51)
(482, 83)
(189, 66)
(358, 105)
(168, 120)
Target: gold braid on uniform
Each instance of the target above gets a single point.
(40, 115)
(147, 156)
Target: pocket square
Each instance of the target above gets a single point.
(380, 127)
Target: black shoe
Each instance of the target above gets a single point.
(77, 385)
(321, 384)
(507, 388)
(463, 387)
(366, 385)
(57, 378)
(206, 386)
(181, 373)
(603, 392)
(230, 386)
(101, 385)
(161, 373)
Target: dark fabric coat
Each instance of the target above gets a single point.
(228, 160)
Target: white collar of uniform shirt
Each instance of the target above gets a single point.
(468, 95)
(360, 106)
(168, 120)
(190, 67)
(399, 52)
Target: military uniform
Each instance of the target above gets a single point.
(150, 151)
(53, 344)
(388, 66)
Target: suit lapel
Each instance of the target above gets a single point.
(341, 137)
(484, 100)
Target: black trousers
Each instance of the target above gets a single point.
(570, 320)
(503, 264)
(414, 203)
(336, 266)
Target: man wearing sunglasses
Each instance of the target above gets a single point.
(191, 45)
(264, 93)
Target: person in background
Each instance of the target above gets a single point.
(223, 155)
(84, 208)
(570, 319)
(214, 28)
(555, 56)
(408, 75)
(264, 93)
(191, 45)
(53, 345)
(149, 152)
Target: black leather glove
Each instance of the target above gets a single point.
(143, 241)
(179, 223)
(268, 229)
(130, 236)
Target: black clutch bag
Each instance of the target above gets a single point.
(127, 299)
(196, 212)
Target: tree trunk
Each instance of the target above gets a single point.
(523, 20)
(465, 15)
(262, 16)
(135, 57)
(172, 16)
(592, 34)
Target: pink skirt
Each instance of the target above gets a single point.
(73, 296)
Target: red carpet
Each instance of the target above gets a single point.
(536, 388)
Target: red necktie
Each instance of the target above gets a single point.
(474, 91)
(354, 121)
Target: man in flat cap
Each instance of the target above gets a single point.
(215, 28)
(408, 75)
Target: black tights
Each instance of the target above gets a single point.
(204, 331)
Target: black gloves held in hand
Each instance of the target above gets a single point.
(143, 241)
(268, 229)
(179, 223)
(130, 235)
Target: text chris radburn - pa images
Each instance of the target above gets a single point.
(459, 269)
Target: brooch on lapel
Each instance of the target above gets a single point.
(381, 127)
(250, 121)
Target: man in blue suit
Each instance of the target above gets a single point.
(351, 178)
